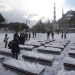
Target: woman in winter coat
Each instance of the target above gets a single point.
(15, 47)
(6, 40)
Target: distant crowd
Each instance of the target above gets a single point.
(48, 34)
(63, 35)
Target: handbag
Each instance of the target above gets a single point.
(4, 40)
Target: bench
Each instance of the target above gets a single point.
(5, 51)
(66, 72)
(49, 50)
(38, 57)
(54, 43)
(46, 42)
(72, 53)
(55, 46)
(72, 47)
(36, 44)
(24, 67)
(63, 41)
(69, 63)
(25, 47)
(42, 43)
(1, 58)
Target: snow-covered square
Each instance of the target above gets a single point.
(58, 65)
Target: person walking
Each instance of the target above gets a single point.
(52, 35)
(29, 35)
(26, 36)
(22, 38)
(33, 34)
(15, 48)
(6, 40)
(16, 34)
(48, 33)
(62, 36)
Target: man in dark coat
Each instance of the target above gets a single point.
(15, 47)
(16, 34)
(62, 36)
(52, 35)
(33, 34)
(29, 36)
(48, 33)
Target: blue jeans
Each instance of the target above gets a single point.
(15, 55)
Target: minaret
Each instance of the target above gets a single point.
(54, 13)
(70, 9)
(62, 12)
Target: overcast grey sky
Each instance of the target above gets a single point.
(33, 10)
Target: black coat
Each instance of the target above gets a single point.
(16, 34)
(15, 47)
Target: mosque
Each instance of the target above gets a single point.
(62, 23)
